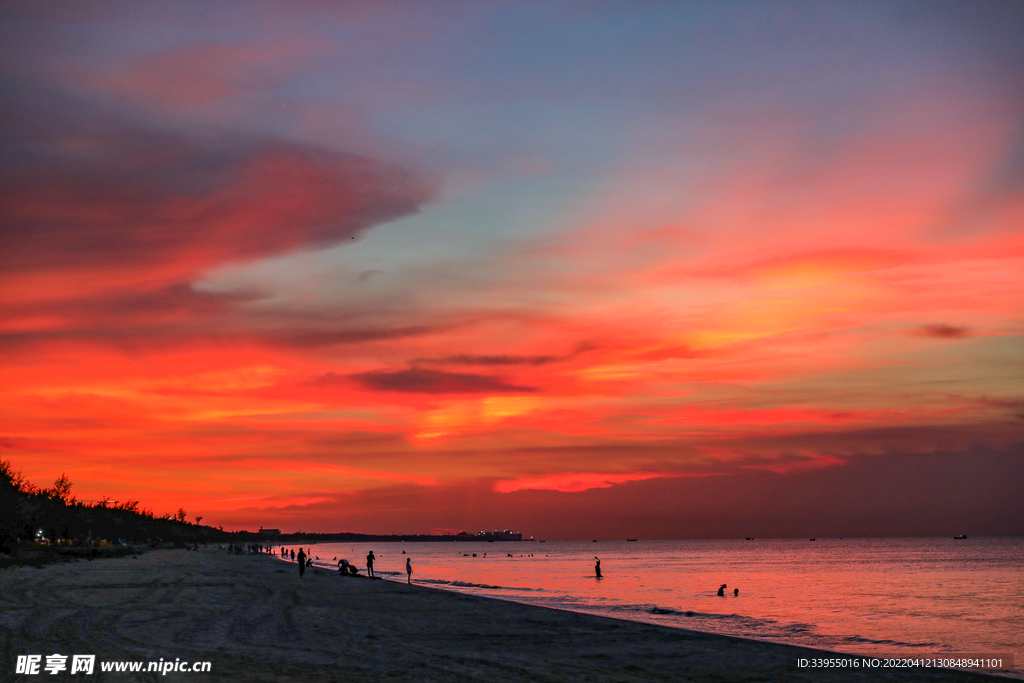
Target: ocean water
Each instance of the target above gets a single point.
(916, 597)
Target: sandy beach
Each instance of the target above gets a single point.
(254, 619)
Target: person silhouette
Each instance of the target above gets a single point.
(302, 562)
(721, 591)
(597, 567)
(369, 564)
(408, 568)
(736, 592)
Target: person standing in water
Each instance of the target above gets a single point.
(408, 568)
(597, 567)
(369, 564)
(302, 562)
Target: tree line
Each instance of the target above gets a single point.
(29, 512)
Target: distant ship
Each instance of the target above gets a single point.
(631, 540)
(960, 537)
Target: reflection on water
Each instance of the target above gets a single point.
(874, 597)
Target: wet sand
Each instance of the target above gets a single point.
(254, 619)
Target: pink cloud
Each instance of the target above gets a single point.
(203, 73)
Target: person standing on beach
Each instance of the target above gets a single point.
(408, 568)
(302, 562)
(369, 564)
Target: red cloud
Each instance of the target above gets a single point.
(107, 222)
(88, 190)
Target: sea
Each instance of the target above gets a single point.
(925, 598)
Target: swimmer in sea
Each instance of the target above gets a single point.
(721, 591)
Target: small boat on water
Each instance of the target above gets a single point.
(631, 540)
(960, 537)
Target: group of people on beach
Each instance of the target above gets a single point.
(302, 558)
(250, 548)
(345, 568)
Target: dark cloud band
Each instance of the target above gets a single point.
(423, 381)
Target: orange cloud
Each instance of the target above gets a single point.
(571, 482)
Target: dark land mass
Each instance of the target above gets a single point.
(390, 538)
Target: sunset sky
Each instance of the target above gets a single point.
(578, 269)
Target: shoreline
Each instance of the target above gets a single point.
(255, 620)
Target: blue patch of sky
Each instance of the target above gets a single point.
(478, 225)
(566, 88)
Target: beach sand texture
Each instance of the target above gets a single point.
(256, 620)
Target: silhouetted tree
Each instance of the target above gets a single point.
(61, 490)
(12, 503)
(26, 509)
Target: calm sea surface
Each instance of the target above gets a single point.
(907, 597)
